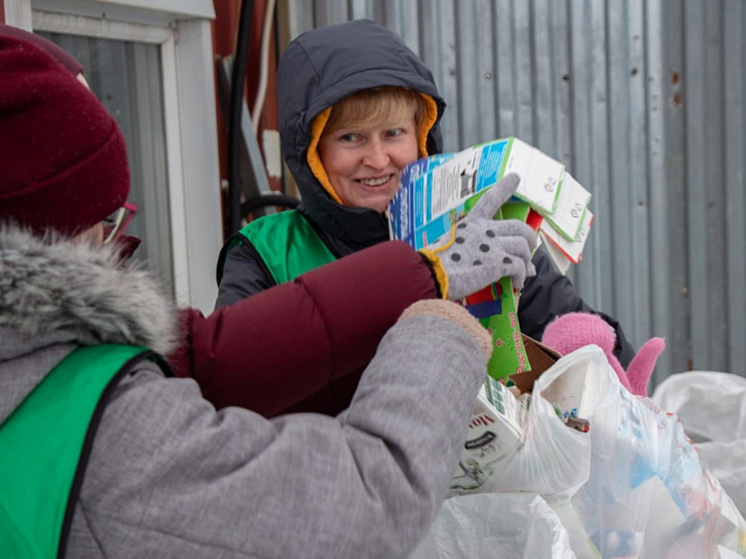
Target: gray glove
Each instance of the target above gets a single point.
(480, 250)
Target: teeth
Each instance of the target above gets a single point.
(375, 182)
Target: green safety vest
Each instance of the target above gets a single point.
(45, 444)
(286, 242)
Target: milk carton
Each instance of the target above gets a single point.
(495, 436)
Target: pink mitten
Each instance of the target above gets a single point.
(571, 331)
(642, 365)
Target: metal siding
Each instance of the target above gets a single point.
(704, 180)
(523, 70)
(711, 269)
(674, 248)
(661, 283)
(643, 101)
(469, 74)
(619, 223)
(700, 186)
(544, 78)
(486, 119)
(505, 67)
(735, 175)
(638, 186)
(442, 20)
(562, 109)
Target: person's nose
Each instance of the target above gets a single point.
(377, 154)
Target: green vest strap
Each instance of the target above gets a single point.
(287, 243)
(44, 446)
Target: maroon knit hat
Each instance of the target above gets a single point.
(63, 161)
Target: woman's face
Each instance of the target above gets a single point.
(363, 164)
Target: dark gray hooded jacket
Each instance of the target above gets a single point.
(318, 69)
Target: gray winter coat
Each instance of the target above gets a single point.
(168, 476)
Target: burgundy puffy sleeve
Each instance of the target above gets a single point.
(301, 346)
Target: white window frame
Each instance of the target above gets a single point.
(182, 30)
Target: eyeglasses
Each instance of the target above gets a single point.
(117, 223)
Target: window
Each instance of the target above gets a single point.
(153, 69)
(126, 77)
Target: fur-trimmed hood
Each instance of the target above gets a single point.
(48, 286)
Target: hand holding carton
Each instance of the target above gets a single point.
(439, 191)
(480, 249)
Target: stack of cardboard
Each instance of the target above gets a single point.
(439, 190)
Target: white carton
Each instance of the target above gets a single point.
(438, 190)
(570, 211)
(495, 436)
(561, 248)
(541, 176)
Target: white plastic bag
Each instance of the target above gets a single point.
(488, 526)
(632, 486)
(712, 408)
(555, 460)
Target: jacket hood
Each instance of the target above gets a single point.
(75, 293)
(321, 67)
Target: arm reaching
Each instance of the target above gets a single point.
(367, 483)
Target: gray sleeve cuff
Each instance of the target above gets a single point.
(453, 312)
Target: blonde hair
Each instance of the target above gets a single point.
(385, 105)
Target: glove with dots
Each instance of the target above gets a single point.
(481, 250)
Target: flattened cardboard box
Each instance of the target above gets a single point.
(541, 358)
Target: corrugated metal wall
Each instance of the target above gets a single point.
(644, 103)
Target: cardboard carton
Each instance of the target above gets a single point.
(541, 358)
(495, 436)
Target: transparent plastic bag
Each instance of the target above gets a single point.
(712, 408)
(634, 485)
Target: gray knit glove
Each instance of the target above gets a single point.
(480, 250)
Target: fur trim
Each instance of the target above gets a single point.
(51, 284)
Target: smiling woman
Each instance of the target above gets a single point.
(349, 97)
(356, 105)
